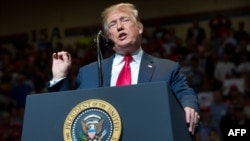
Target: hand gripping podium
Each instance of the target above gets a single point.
(147, 112)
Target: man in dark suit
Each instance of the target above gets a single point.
(196, 32)
(121, 24)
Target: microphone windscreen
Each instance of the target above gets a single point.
(104, 41)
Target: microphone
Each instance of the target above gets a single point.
(104, 41)
(101, 41)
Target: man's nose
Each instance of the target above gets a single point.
(119, 26)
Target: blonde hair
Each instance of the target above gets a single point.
(128, 7)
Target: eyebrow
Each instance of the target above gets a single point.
(121, 18)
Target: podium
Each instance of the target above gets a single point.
(147, 111)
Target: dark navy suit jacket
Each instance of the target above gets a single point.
(152, 69)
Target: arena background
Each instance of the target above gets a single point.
(26, 19)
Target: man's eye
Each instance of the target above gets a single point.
(111, 25)
(125, 20)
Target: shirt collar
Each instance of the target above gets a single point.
(136, 57)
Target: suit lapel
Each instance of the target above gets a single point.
(107, 66)
(147, 68)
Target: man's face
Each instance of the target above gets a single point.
(124, 31)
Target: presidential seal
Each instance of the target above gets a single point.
(92, 120)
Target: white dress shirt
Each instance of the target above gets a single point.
(118, 63)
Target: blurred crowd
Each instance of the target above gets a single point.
(217, 66)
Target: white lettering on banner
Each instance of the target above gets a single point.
(45, 34)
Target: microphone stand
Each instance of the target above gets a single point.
(99, 59)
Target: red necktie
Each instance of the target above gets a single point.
(124, 77)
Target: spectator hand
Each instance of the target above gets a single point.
(61, 63)
(192, 118)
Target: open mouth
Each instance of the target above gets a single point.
(122, 36)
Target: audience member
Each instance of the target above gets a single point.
(223, 67)
(20, 89)
(195, 76)
(219, 24)
(241, 34)
(208, 126)
(205, 96)
(168, 44)
(218, 107)
(244, 65)
(195, 32)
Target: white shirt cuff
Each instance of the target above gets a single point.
(54, 81)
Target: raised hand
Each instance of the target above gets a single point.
(61, 63)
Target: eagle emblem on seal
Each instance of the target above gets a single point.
(92, 128)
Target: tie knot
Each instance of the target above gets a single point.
(128, 59)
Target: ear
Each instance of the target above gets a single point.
(140, 26)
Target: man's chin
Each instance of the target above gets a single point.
(124, 50)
